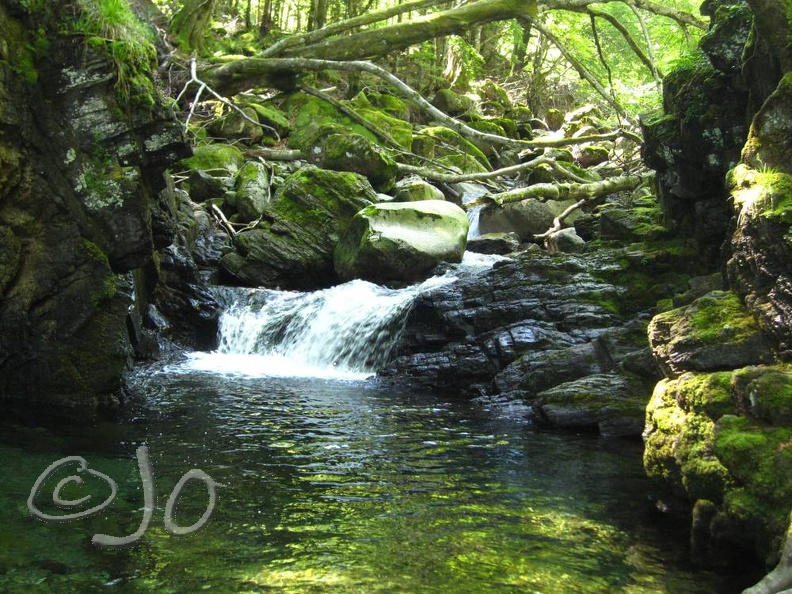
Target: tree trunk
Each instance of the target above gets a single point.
(380, 42)
(190, 24)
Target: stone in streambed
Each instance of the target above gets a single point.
(401, 241)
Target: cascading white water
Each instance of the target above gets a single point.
(347, 331)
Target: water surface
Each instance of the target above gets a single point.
(338, 486)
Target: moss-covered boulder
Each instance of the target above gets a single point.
(401, 241)
(447, 142)
(252, 191)
(292, 247)
(217, 159)
(242, 125)
(593, 154)
(353, 152)
(715, 332)
(413, 188)
(452, 103)
(724, 438)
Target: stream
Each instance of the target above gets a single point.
(331, 481)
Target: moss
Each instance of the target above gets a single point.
(765, 393)
(720, 317)
(312, 115)
(397, 129)
(215, 157)
(759, 457)
(707, 393)
(112, 29)
(449, 142)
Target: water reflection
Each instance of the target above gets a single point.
(339, 486)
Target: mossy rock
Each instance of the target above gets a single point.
(487, 127)
(612, 403)
(272, 117)
(236, 126)
(489, 90)
(401, 241)
(714, 332)
(391, 105)
(450, 142)
(217, 159)
(554, 118)
(292, 247)
(760, 459)
(397, 129)
(764, 394)
(593, 154)
(768, 142)
(453, 103)
(413, 189)
(632, 223)
(252, 193)
(679, 446)
(315, 118)
(766, 194)
(463, 163)
(352, 152)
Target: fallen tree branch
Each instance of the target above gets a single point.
(312, 37)
(378, 42)
(564, 191)
(202, 86)
(455, 178)
(558, 222)
(274, 154)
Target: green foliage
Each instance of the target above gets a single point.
(112, 29)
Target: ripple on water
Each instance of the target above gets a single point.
(343, 486)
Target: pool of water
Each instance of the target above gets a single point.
(334, 486)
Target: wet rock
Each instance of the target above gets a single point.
(494, 243)
(612, 403)
(83, 200)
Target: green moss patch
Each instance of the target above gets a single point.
(720, 317)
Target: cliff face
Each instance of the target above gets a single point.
(83, 201)
(719, 426)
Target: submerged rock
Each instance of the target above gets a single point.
(401, 240)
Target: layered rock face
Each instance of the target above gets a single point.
(718, 427)
(83, 201)
(560, 334)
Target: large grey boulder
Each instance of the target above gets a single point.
(401, 241)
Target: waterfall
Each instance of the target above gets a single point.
(347, 331)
